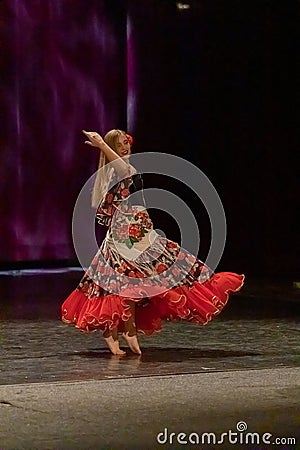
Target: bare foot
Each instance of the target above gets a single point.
(132, 343)
(118, 350)
(114, 346)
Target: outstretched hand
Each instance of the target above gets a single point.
(95, 140)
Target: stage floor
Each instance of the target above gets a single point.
(43, 351)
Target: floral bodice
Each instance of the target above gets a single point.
(128, 224)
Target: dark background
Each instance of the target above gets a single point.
(216, 84)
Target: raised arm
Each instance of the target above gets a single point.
(122, 168)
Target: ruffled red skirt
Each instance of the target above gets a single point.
(198, 303)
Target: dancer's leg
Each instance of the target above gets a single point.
(111, 338)
(114, 334)
(129, 325)
(130, 330)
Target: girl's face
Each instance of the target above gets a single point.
(123, 146)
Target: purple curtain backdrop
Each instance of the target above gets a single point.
(64, 68)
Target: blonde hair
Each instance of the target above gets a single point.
(105, 170)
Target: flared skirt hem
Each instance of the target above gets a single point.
(198, 303)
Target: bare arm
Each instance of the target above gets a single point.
(121, 167)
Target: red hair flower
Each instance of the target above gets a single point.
(130, 138)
